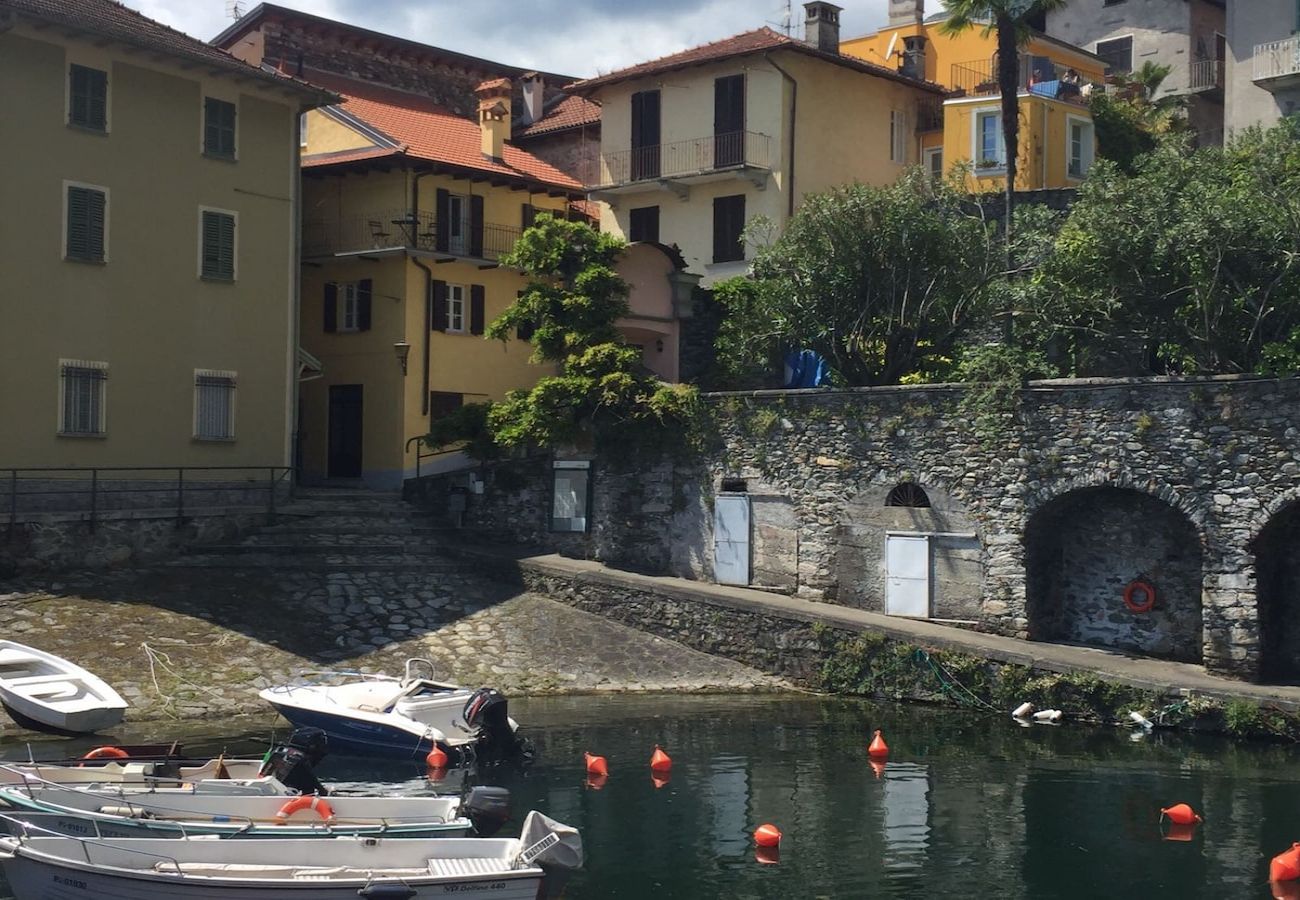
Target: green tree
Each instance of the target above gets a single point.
(1130, 120)
(881, 281)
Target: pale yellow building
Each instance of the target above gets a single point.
(1057, 138)
(696, 145)
(150, 202)
(407, 211)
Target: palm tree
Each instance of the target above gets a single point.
(1009, 19)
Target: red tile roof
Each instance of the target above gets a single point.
(570, 112)
(426, 131)
(110, 19)
(756, 41)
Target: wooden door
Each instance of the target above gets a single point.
(646, 152)
(345, 431)
(728, 121)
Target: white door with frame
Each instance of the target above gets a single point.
(731, 539)
(907, 575)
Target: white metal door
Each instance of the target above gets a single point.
(731, 539)
(907, 570)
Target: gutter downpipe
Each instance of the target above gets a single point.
(428, 298)
(794, 109)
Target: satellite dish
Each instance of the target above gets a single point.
(893, 42)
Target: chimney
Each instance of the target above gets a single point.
(906, 12)
(822, 26)
(494, 115)
(534, 97)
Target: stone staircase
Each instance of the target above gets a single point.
(337, 529)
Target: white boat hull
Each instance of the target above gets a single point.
(43, 690)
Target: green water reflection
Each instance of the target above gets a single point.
(967, 806)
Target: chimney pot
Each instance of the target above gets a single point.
(822, 26)
(906, 12)
(494, 115)
(534, 97)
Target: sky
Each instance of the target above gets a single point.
(571, 37)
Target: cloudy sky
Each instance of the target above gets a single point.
(573, 37)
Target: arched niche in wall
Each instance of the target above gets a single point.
(1277, 596)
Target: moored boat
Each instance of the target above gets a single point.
(48, 693)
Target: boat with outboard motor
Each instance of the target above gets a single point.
(407, 716)
(40, 866)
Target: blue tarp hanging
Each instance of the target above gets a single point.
(805, 369)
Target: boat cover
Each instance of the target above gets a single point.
(565, 852)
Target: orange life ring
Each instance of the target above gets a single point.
(318, 805)
(105, 753)
(1148, 591)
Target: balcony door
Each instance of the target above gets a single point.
(457, 224)
(728, 121)
(645, 135)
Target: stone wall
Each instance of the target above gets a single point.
(574, 151)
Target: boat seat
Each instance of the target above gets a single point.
(483, 865)
(297, 873)
(41, 679)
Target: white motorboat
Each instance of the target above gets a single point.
(407, 716)
(154, 773)
(43, 691)
(39, 866)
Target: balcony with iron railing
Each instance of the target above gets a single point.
(388, 230)
(1277, 63)
(734, 154)
(1037, 75)
(929, 114)
(1205, 75)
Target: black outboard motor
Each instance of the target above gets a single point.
(293, 763)
(486, 710)
(488, 808)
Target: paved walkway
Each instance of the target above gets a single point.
(1144, 673)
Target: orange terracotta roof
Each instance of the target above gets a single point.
(110, 19)
(756, 41)
(570, 112)
(424, 130)
(493, 84)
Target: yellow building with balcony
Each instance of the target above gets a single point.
(1057, 138)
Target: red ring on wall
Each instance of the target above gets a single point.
(1148, 592)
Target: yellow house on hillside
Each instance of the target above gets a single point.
(148, 244)
(407, 210)
(1057, 139)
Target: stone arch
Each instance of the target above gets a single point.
(1086, 544)
(1276, 549)
(957, 555)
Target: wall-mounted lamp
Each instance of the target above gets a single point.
(402, 350)
(659, 345)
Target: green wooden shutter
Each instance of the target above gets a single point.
(218, 128)
(331, 307)
(363, 304)
(88, 97)
(86, 208)
(477, 308)
(218, 246)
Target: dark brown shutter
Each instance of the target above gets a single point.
(645, 135)
(331, 307)
(728, 120)
(439, 306)
(529, 215)
(526, 330)
(728, 223)
(442, 240)
(477, 298)
(363, 304)
(476, 226)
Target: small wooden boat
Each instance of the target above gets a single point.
(39, 866)
(157, 773)
(45, 692)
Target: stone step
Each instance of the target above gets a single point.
(341, 563)
(307, 548)
(368, 528)
(311, 509)
(346, 493)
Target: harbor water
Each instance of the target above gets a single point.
(967, 805)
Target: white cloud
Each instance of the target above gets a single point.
(575, 37)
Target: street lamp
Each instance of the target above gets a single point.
(402, 350)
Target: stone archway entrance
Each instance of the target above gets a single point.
(1085, 547)
(1277, 593)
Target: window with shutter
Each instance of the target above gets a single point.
(442, 403)
(88, 98)
(81, 396)
(455, 316)
(218, 250)
(214, 405)
(643, 224)
(218, 128)
(477, 308)
(728, 225)
(86, 220)
(528, 216)
(1117, 53)
(438, 306)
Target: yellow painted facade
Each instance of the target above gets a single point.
(965, 61)
(142, 316)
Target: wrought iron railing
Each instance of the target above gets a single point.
(1276, 59)
(1205, 75)
(93, 491)
(406, 229)
(737, 149)
(929, 114)
(1036, 75)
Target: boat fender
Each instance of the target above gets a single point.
(1023, 710)
(318, 805)
(126, 812)
(1140, 596)
(105, 753)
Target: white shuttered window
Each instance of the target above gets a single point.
(81, 396)
(214, 405)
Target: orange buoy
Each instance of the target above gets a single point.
(105, 753)
(1286, 865)
(767, 835)
(767, 856)
(1284, 890)
(310, 802)
(597, 782)
(660, 761)
(1181, 814)
(878, 749)
(878, 766)
(437, 758)
(596, 765)
(660, 779)
(1180, 833)
(436, 774)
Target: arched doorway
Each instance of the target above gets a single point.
(1085, 547)
(1277, 596)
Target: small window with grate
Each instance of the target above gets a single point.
(909, 493)
(214, 406)
(81, 397)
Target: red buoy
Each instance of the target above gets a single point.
(659, 761)
(660, 779)
(767, 856)
(878, 749)
(1180, 833)
(437, 758)
(597, 782)
(1284, 890)
(1181, 814)
(596, 765)
(878, 766)
(436, 774)
(767, 835)
(1286, 865)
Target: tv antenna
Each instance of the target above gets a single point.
(235, 9)
(787, 23)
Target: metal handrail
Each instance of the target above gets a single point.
(1275, 59)
(1205, 73)
(421, 456)
(85, 843)
(694, 156)
(79, 476)
(404, 229)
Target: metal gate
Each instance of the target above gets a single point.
(731, 539)
(907, 570)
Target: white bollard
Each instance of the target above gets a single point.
(1022, 710)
